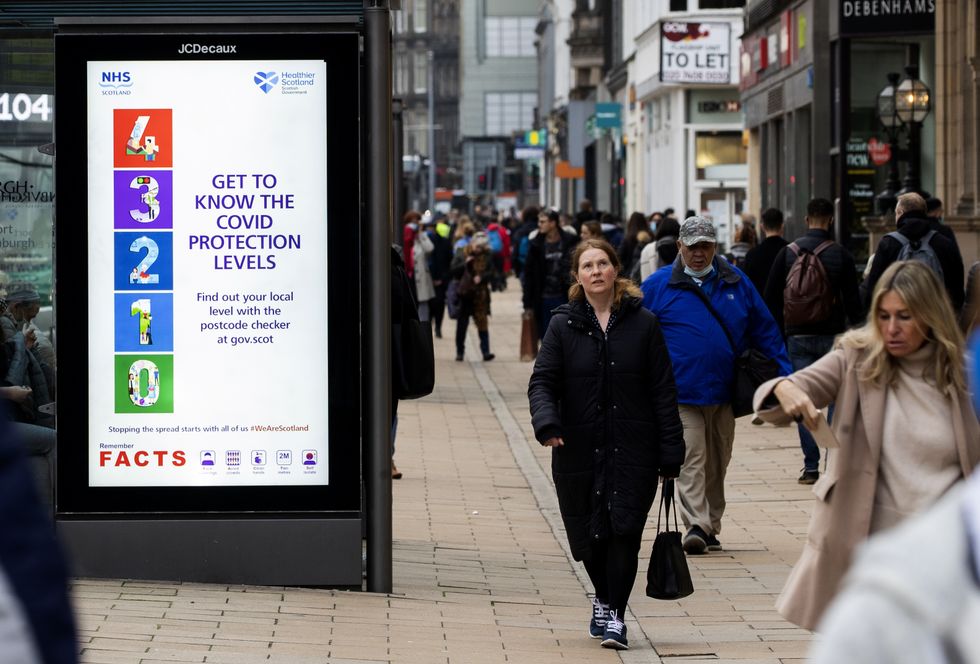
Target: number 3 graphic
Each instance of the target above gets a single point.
(148, 198)
(140, 273)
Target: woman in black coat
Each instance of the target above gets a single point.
(603, 398)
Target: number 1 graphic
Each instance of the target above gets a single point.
(141, 308)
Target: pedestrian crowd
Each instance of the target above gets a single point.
(647, 332)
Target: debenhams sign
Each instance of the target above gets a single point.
(887, 17)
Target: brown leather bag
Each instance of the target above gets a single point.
(529, 337)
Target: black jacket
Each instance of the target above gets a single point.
(759, 260)
(914, 226)
(842, 273)
(537, 265)
(614, 404)
(441, 257)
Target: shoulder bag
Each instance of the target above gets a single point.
(668, 576)
(752, 368)
(413, 358)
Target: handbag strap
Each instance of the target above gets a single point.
(410, 308)
(714, 312)
(666, 500)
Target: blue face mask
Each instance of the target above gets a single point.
(699, 274)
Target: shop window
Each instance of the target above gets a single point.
(26, 174)
(721, 4)
(420, 16)
(401, 73)
(421, 73)
(510, 36)
(507, 112)
(678, 5)
(720, 155)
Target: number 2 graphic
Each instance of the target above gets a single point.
(140, 273)
(148, 198)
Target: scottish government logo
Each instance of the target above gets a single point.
(266, 80)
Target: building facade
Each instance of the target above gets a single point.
(425, 71)
(958, 120)
(499, 93)
(685, 147)
(811, 76)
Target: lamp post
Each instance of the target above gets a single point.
(913, 101)
(888, 116)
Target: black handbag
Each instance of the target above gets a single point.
(412, 355)
(752, 367)
(668, 576)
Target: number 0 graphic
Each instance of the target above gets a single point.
(136, 394)
(148, 198)
(140, 273)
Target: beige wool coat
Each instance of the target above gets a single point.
(845, 492)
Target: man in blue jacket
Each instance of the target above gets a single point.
(704, 366)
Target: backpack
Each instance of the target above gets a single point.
(919, 250)
(496, 242)
(807, 297)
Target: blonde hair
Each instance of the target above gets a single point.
(464, 228)
(622, 286)
(927, 300)
(910, 202)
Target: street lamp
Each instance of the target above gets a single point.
(887, 111)
(913, 101)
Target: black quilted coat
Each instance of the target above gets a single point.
(614, 404)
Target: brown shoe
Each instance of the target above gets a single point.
(395, 473)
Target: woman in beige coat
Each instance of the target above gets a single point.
(906, 427)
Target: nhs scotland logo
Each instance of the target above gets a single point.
(266, 80)
(116, 79)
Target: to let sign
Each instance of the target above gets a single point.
(695, 53)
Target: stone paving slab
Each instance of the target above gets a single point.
(481, 571)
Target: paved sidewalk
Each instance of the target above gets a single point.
(481, 572)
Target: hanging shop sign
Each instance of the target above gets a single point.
(695, 53)
(887, 17)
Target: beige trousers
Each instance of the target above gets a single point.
(708, 435)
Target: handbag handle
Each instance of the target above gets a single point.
(666, 501)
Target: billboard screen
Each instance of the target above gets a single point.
(209, 216)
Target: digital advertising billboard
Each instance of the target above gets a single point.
(213, 349)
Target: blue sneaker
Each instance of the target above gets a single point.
(600, 612)
(713, 543)
(615, 635)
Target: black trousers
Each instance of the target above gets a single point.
(612, 569)
(437, 305)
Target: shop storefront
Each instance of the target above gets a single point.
(26, 163)
(869, 42)
(785, 93)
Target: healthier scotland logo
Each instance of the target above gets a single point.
(266, 80)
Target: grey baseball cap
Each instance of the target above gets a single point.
(697, 229)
